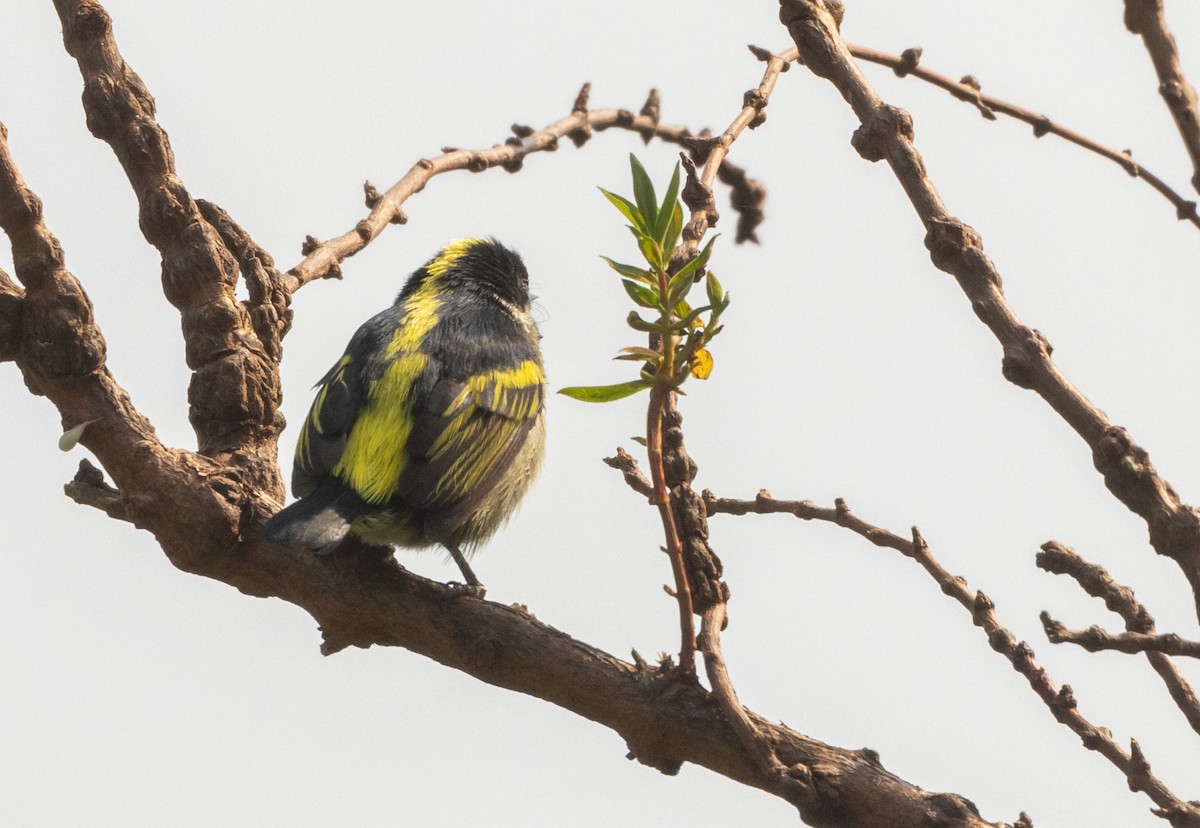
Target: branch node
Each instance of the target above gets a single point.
(1024, 363)
(1064, 700)
(875, 135)
(909, 59)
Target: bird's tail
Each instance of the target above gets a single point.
(320, 520)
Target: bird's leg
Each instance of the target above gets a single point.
(473, 586)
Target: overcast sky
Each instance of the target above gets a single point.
(132, 693)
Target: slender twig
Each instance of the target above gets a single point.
(1146, 18)
(886, 133)
(968, 90)
(1059, 700)
(661, 498)
(1060, 559)
(625, 463)
(672, 496)
(753, 742)
(322, 260)
(1096, 638)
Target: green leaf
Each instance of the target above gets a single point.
(631, 272)
(681, 283)
(686, 322)
(667, 211)
(713, 288)
(638, 324)
(643, 194)
(642, 353)
(700, 261)
(641, 441)
(605, 393)
(627, 208)
(650, 251)
(640, 294)
(670, 237)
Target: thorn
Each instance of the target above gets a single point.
(581, 100)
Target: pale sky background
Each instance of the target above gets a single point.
(134, 694)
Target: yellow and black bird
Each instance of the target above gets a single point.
(430, 428)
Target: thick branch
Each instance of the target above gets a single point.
(361, 598)
(886, 133)
(12, 303)
(1146, 18)
(234, 392)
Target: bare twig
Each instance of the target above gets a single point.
(1146, 18)
(886, 133)
(1060, 559)
(89, 489)
(753, 740)
(661, 498)
(968, 90)
(323, 259)
(1059, 700)
(626, 463)
(1095, 638)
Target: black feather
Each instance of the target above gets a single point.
(320, 520)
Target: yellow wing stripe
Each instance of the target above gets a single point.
(313, 421)
(374, 455)
(513, 393)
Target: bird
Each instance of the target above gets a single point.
(430, 428)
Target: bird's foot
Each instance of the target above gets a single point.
(475, 590)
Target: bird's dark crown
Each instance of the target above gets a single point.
(483, 267)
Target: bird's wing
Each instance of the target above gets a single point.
(342, 394)
(466, 433)
(323, 434)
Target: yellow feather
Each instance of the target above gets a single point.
(449, 254)
(374, 455)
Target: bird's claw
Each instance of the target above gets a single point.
(473, 590)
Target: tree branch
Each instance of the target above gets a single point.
(1095, 638)
(886, 133)
(234, 392)
(1059, 700)
(322, 260)
(1059, 559)
(1146, 18)
(969, 90)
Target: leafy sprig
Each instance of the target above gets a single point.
(679, 333)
